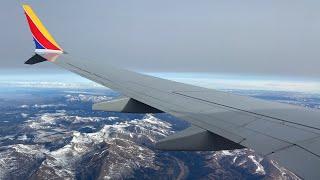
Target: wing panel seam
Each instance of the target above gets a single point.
(283, 120)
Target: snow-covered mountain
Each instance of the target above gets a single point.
(117, 151)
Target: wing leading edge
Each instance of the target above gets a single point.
(286, 133)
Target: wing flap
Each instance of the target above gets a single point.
(312, 145)
(281, 131)
(298, 160)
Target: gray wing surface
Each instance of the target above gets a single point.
(286, 133)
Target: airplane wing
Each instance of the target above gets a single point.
(286, 133)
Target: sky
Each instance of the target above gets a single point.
(271, 39)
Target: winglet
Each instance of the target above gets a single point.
(44, 42)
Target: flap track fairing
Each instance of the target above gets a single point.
(196, 139)
(125, 105)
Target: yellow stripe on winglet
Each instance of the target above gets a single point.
(39, 24)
